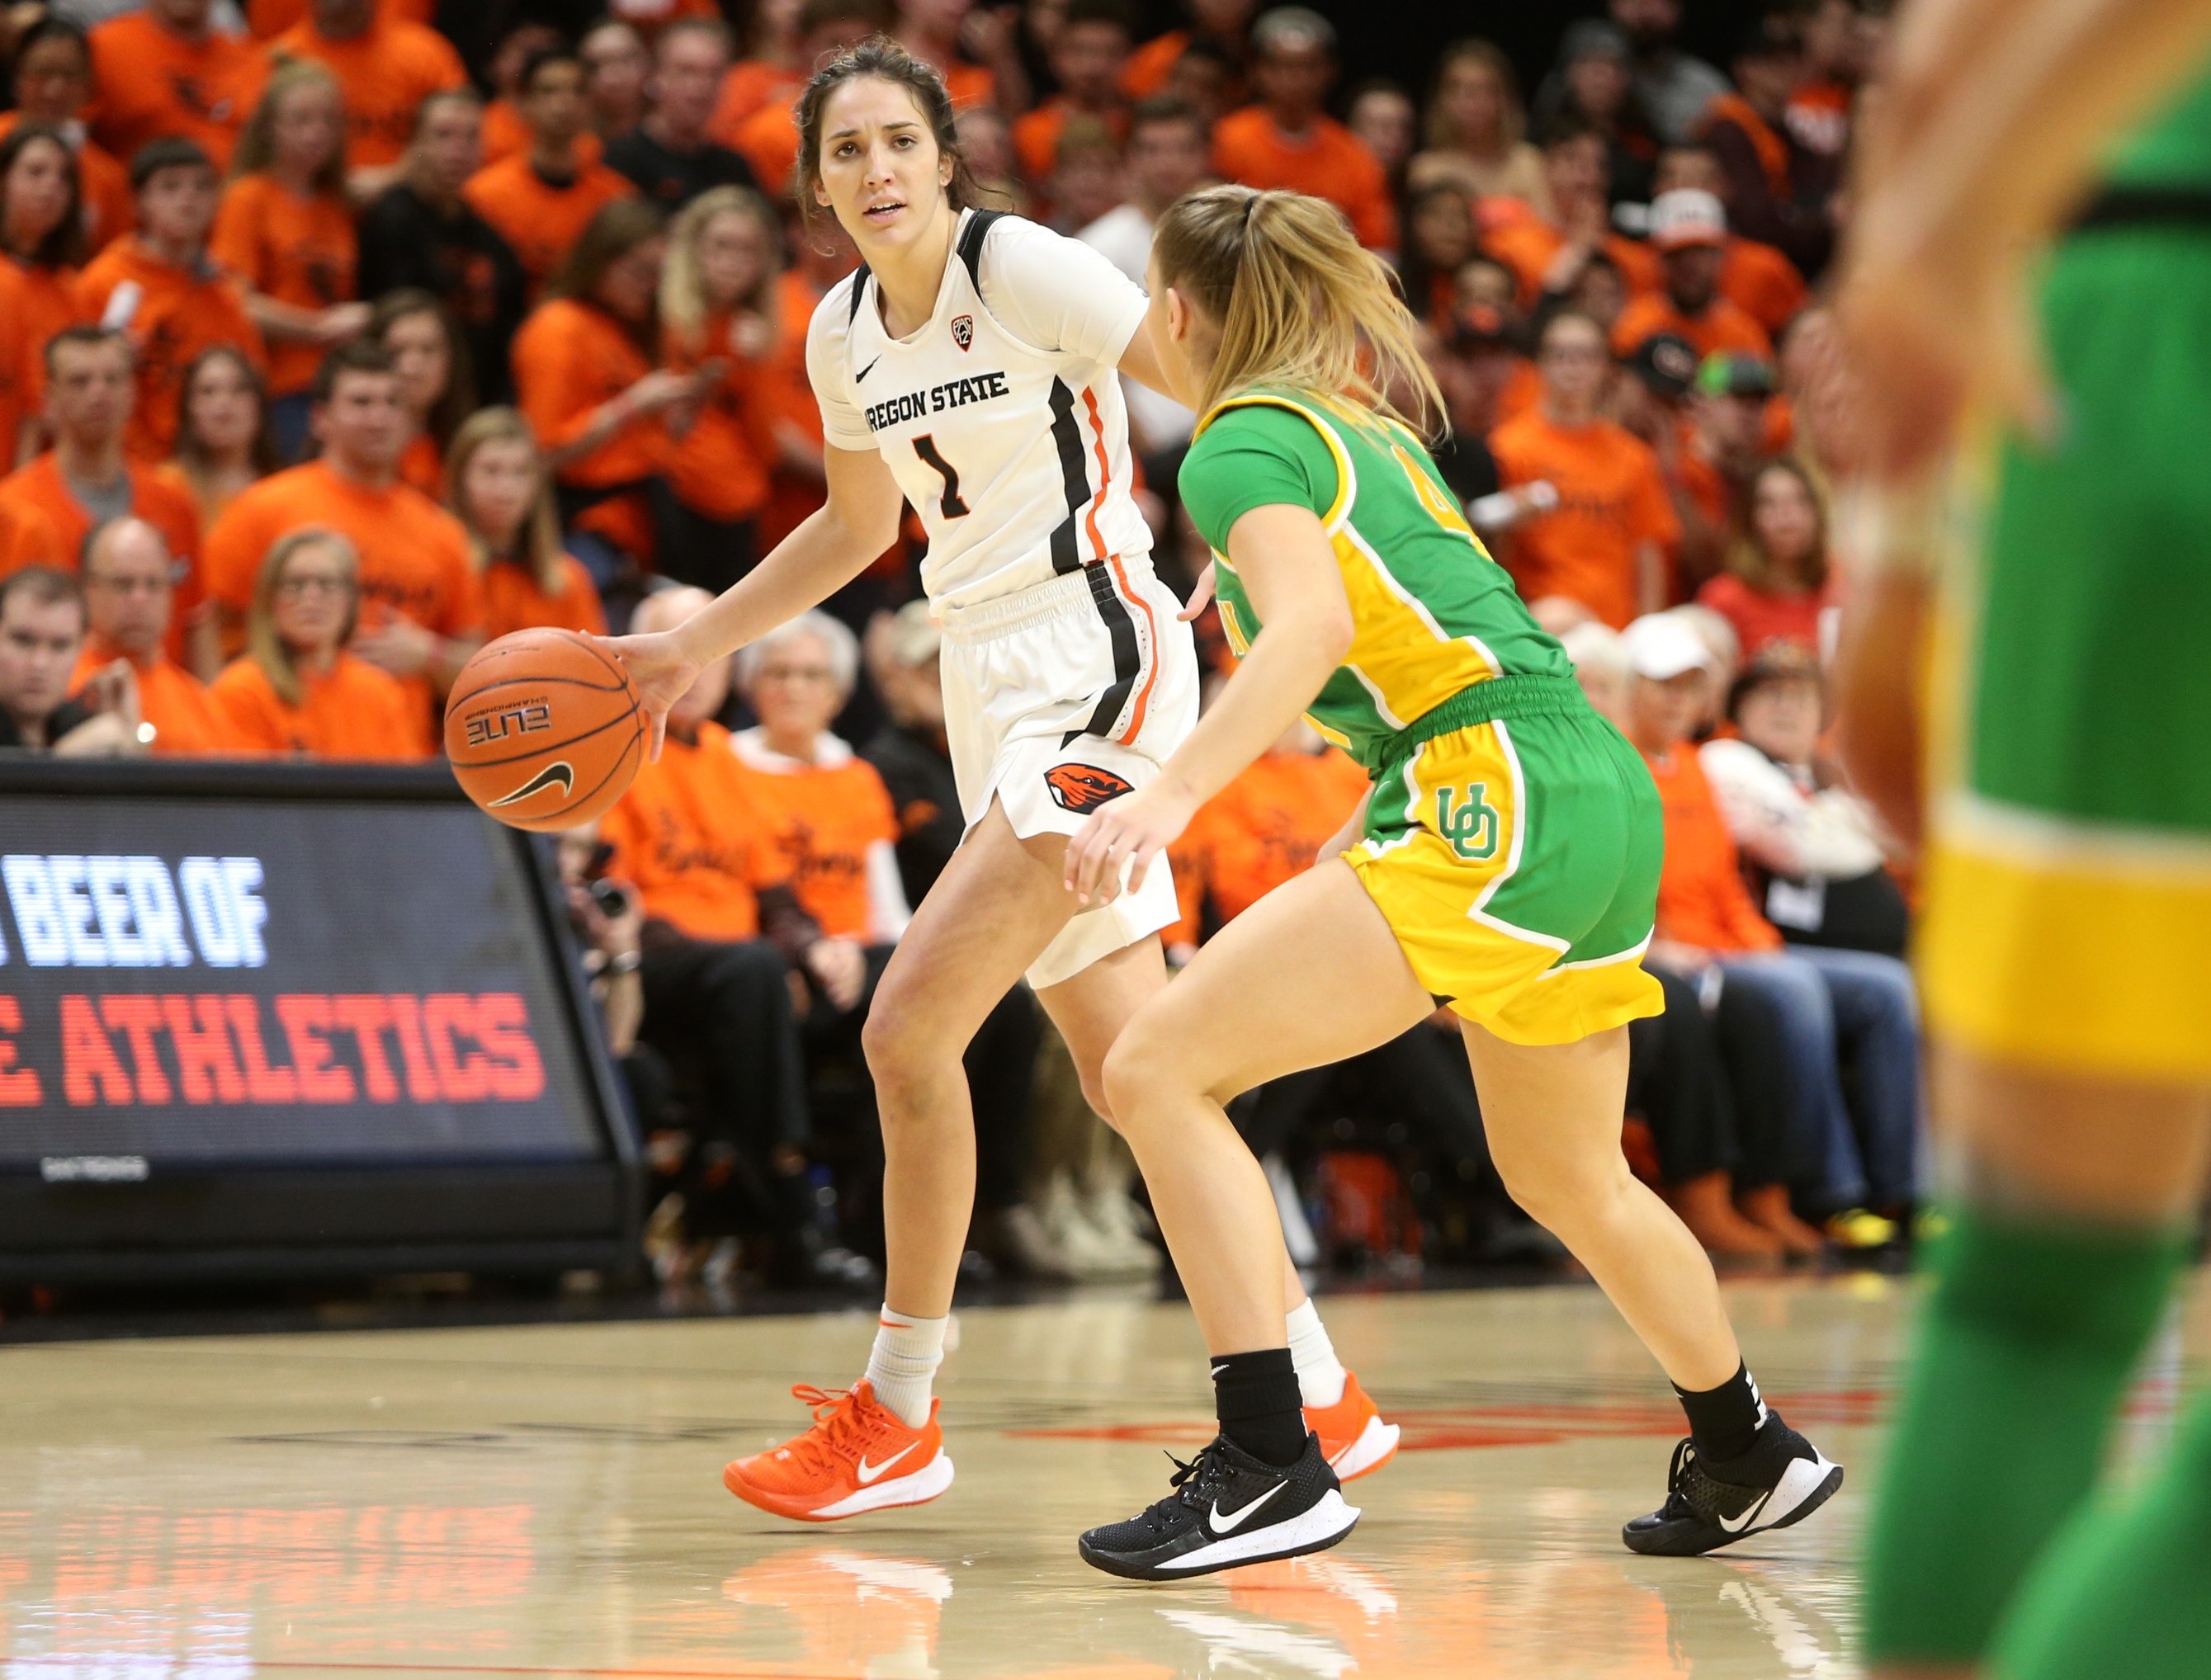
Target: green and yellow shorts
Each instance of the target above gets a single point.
(1513, 841)
(2067, 877)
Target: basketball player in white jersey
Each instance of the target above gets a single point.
(968, 367)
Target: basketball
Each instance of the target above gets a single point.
(544, 731)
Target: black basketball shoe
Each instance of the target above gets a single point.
(1781, 1480)
(1227, 1508)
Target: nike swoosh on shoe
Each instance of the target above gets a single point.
(1221, 1525)
(868, 1473)
(1737, 1524)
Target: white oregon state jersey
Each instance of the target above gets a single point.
(1000, 418)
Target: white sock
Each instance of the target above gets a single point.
(1320, 1374)
(907, 1352)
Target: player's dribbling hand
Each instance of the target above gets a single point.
(659, 670)
(1124, 837)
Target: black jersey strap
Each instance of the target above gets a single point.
(971, 244)
(859, 291)
(2146, 207)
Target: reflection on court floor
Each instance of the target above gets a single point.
(544, 1500)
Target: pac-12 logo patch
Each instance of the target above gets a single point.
(963, 330)
(1081, 788)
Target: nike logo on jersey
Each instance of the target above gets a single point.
(1229, 1525)
(865, 372)
(868, 1473)
(936, 400)
(562, 774)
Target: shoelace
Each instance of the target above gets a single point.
(840, 1435)
(1193, 1480)
(1685, 1455)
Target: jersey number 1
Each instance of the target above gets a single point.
(951, 506)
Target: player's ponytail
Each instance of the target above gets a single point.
(1297, 301)
(883, 58)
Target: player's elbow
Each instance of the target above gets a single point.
(1331, 631)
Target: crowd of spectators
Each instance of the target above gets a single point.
(322, 363)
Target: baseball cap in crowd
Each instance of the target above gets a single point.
(1732, 373)
(1687, 216)
(1667, 365)
(1291, 29)
(1658, 645)
(1595, 37)
(1779, 660)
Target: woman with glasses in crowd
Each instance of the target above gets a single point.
(296, 689)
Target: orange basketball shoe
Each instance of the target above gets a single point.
(1354, 1439)
(842, 1466)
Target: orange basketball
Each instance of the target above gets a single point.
(544, 731)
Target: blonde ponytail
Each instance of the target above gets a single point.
(1299, 302)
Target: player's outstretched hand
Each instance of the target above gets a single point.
(661, 672)
(1125, 836)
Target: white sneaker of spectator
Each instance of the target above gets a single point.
(1121, 1223)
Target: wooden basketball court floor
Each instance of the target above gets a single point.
(545, 1501)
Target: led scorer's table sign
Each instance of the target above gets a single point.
(286, 976)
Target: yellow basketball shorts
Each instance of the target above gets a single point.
(1517, 860)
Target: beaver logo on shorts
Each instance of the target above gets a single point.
(963, 330)
(1081, 788)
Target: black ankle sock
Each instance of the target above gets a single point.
(1724, 1421)
(1261, 1409)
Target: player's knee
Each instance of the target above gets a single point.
(1563, 1194)
(1129, 1074)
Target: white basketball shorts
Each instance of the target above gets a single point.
(1059, 697)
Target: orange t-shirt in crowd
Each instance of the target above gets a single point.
(149, 81)
(540, 218)
(1701, 898)
(768, 142)
(1527, 243)
(356, 711)
(27, 537)
(1523, 389)
(1761, 281)
(40, 501)
(298, 250)
(184, 717)
(269, 18)
(720, 466)
(514, 600)
(826, 817)
(1036, 137)
(386, 71)
(1760, 616)
(110, 209)
(750, 86)
(1330, 162)
(178, 313)
(569, 358)
(423, 466)
(414, 554)
(688, 837)
(35, 304)
(786, 400)
(1265, 826)
(1723, 326)
(1612, 496)
(1772, 150)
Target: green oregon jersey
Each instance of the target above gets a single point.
(1433, 613)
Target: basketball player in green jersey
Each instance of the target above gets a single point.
(2066, 950)
(1505, 863)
